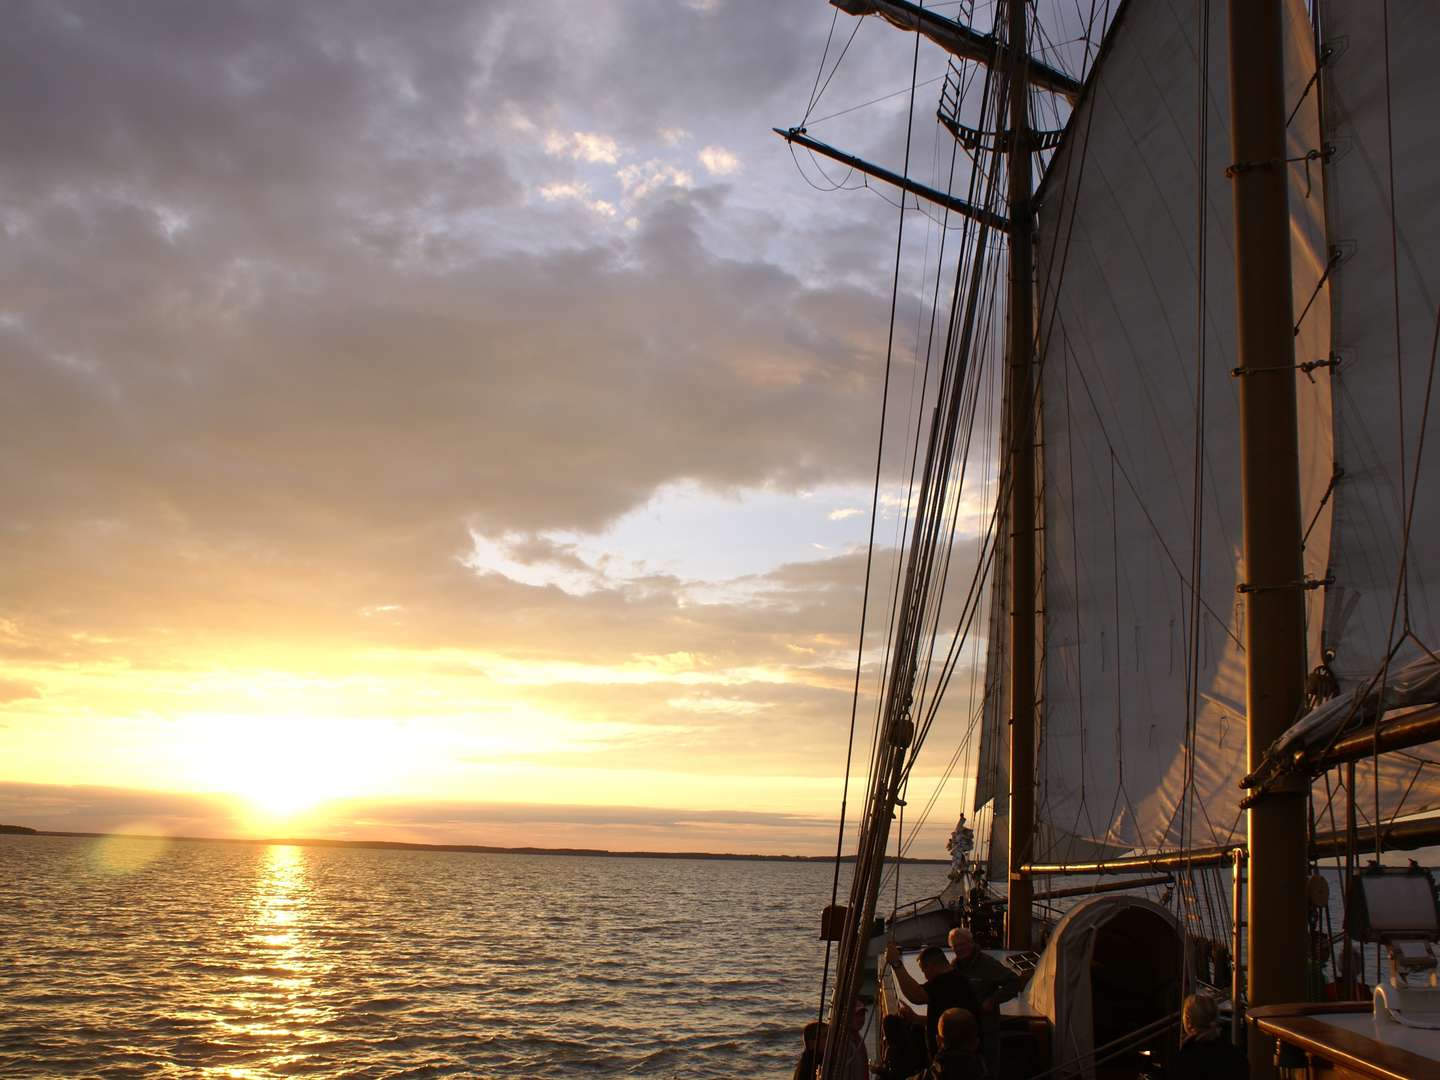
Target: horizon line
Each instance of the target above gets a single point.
(473, 849)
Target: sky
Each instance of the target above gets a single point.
(448, 422)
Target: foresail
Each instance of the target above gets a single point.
(1383, 193)
(1119, 276)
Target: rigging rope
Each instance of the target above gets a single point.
(816, 96)
(845, 973)
(1197, 531)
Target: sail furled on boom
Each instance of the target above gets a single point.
(1118, 333)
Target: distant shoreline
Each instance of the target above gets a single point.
(474, 849)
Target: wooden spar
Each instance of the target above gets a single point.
(1237, 932)
(1105, 887)
(1347, 969)
(1413, 729)
(1401, 836)
(958, 40)
(1270, 498)
(904, 183)
(1021, 452)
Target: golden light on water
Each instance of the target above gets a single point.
(280, 996)
(127, 851)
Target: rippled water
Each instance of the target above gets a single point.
(147, 958)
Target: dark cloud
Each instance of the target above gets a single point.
(88, 808)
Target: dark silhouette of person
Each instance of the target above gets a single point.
(904, 1049)
(814, 1052)
(944, 988)
(855, 1061)
(993, 984)
(1205, 1052)
(958, 1055)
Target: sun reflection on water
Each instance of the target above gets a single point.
(281, 994)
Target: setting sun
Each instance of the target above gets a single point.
(281, 767)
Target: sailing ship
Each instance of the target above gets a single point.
(1213, 641)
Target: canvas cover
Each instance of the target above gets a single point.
(1060, 988)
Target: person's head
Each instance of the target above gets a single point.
(933, 962)
(1199, 1013)
(962, 943)
(857, 1016)
(814, 1035)
(958, 1030)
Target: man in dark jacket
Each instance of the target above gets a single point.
(944, 988)
(1205, 1052)
(992, 982)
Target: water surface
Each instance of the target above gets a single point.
(127, 958)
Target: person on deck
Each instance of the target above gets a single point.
(857, 1065)
(904, 1049)
(992, 982)
(814, 1052)
(1205, 1051)
(944, 988)
(958, 1055)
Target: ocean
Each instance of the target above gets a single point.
(131, 958)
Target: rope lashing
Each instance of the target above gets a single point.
(1325, 154)
(1308, 584)
(1333, 360)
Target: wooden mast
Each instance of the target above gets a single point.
(1270, 492)
(1021, 517)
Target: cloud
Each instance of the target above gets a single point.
(718, 161)
(577, 191)
(17, 690)
(844, 512)
(638, 181)
(82, 808)
(586, 146)
(570, 190)
(92, 808)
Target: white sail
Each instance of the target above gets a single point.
(1383, 193)
(1117, 262)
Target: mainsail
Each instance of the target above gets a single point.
(1118, 331)
(1385, 230)
(1380, 630)
(1119, 278)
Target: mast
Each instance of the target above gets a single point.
(1270, 494)
(1021, 452)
